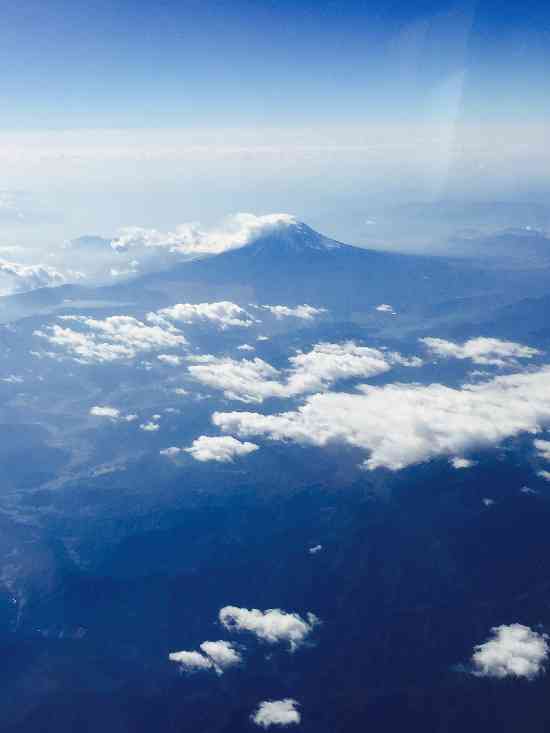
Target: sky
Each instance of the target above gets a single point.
(155, 114)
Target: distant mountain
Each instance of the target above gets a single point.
(525, 248)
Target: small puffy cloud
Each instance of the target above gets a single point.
(305, 312)
(222, 448)
(31, 277)
(513, 650)
(488, 502)
(105, 411)
(543, 448)
(246, 347)
(170, 359)
(544, 474)
(273, 626)
(149, 427)
(110, 339)
(214, 655)
(403, 424)
(192, 239)
(459, 462)
(315, 549)
(481, 350)
(276, 712)
(171, 452)
(253, 380)
(385, 308)
(222, 314)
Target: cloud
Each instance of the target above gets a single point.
(253, 380)
(544, 474)
(276, 712)
(315, 549)
(246, 347)
(236, 231)
(403, 424)
(31, 277)
(223, 449)
(111, 412)
(543, 448)
(513, 651)
(459, 462)
(216, 655)
(223, 314)
(149, 427)
(170, 359)
(111, 339)
(385, 308)
(306, 312)
(272, 626)
(482, 350)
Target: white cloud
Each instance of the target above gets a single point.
(111, 339)
(276, 712)
(253, 380)
(459, 462)
(305, 312)
(481, 350)
(403, 424)
(272, 626)
(246, 347)
(216, 655)
(543, 448)
(149, 427)
(223, 449)
(170, 359)
(222, 314)
(31, 277)
(315, 549)
(105, 411)
(171, 452)
(544, 474)
(385, 308)
(513, 651)
(190, 239)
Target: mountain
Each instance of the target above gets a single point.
(525, 248)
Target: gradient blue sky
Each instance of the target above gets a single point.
(342, 113)
(245, 62)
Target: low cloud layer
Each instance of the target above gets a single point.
(482, 350)
(512, 651)
(30, 277)
(236, 231)
(403, 424)
(254, 380)
(273, 626)
(276, 712)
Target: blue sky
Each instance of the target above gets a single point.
(220, 64)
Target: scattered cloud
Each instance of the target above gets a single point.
(385, 308)
(112, 339)
(305, 312)
(214, 655)
(482, 350)
(246, 347)
(170, 359)
(223, 449)
(543, 448)
(403, 424)
(272, 626)
(276, 712)
(253, 380)
(459, 462)
(544, 474)
(149, 427)
(223, 314)
(315, 549)
(111, 412)
(512, 651)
